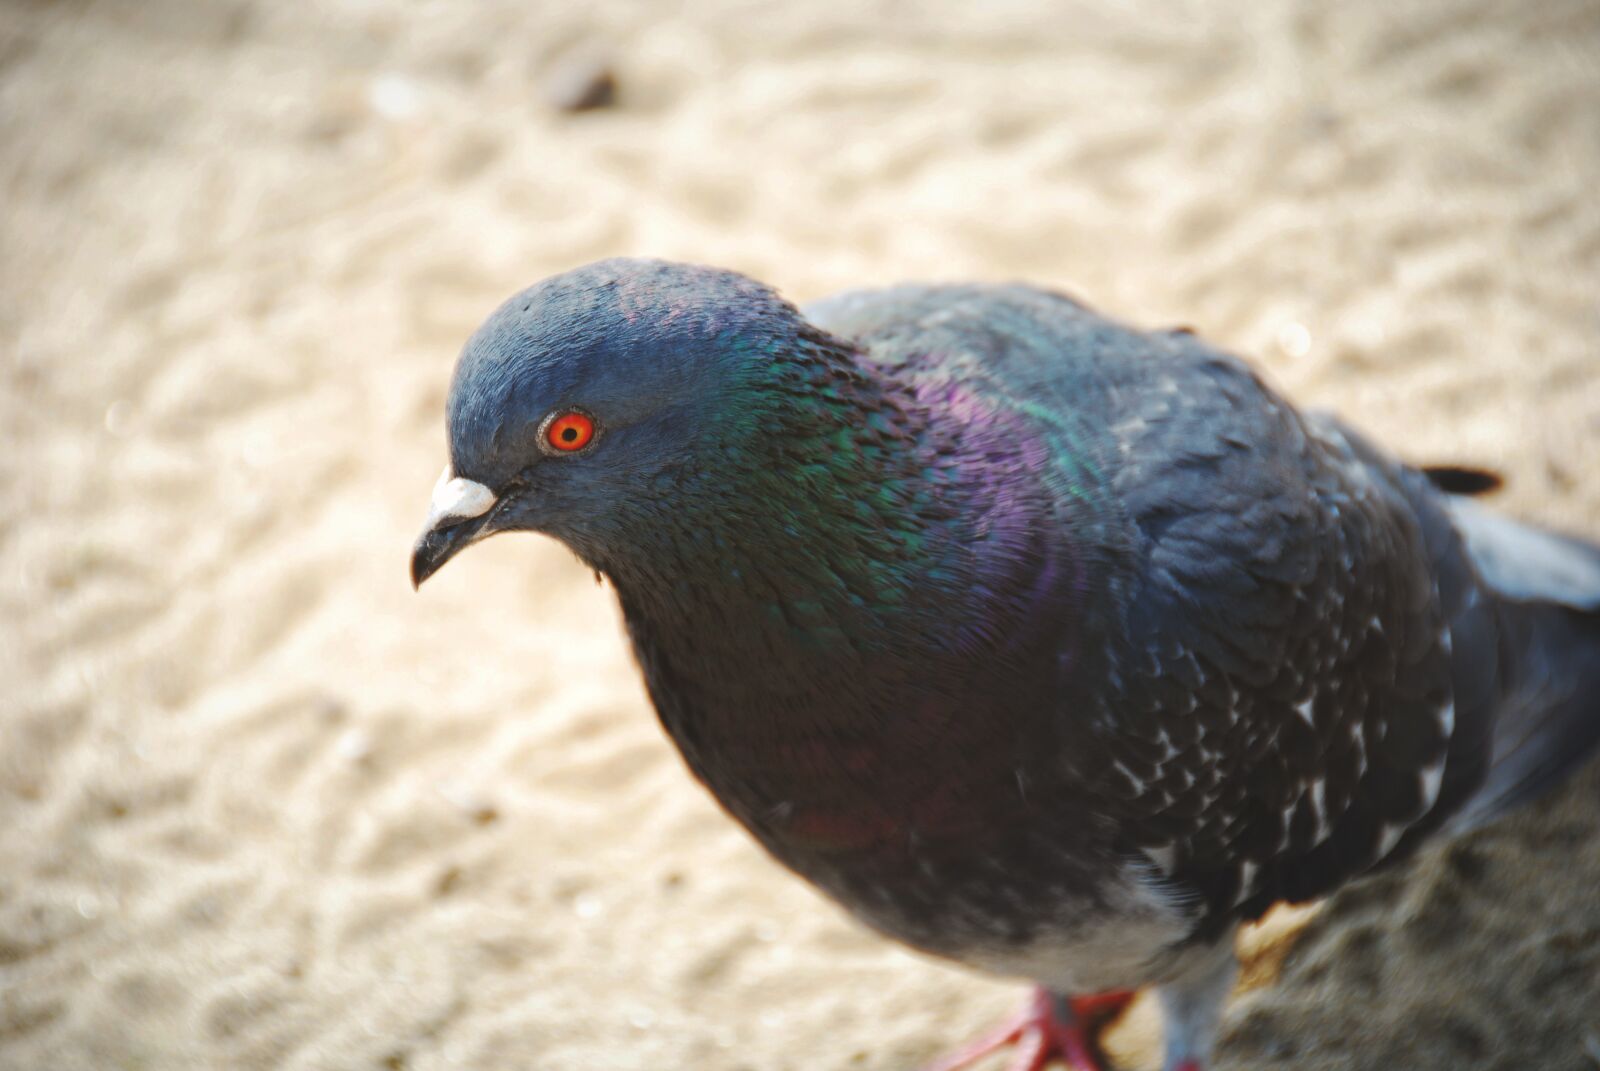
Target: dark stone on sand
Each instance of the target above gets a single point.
(581, 82)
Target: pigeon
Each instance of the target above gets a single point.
(1044, 645)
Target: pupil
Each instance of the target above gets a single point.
(569, 434)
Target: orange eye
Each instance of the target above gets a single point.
(570, 431)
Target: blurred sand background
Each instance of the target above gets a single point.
(261, 806)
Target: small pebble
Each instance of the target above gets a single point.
(580, 83)
(1294, 340)
(394, 97)
(469, 801)
(355, 745)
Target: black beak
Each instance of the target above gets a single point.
(443, 542)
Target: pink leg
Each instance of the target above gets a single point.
(1046, 1028)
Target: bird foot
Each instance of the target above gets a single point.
(1046, 1029)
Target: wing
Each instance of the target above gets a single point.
(1299, 673)
(1283, 711)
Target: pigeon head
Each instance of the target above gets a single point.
(585, 405)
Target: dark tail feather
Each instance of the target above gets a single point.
(1548, 591)
(1462, 480)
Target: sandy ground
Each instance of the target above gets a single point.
(261, 806)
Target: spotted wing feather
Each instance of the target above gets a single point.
(1283, 691)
